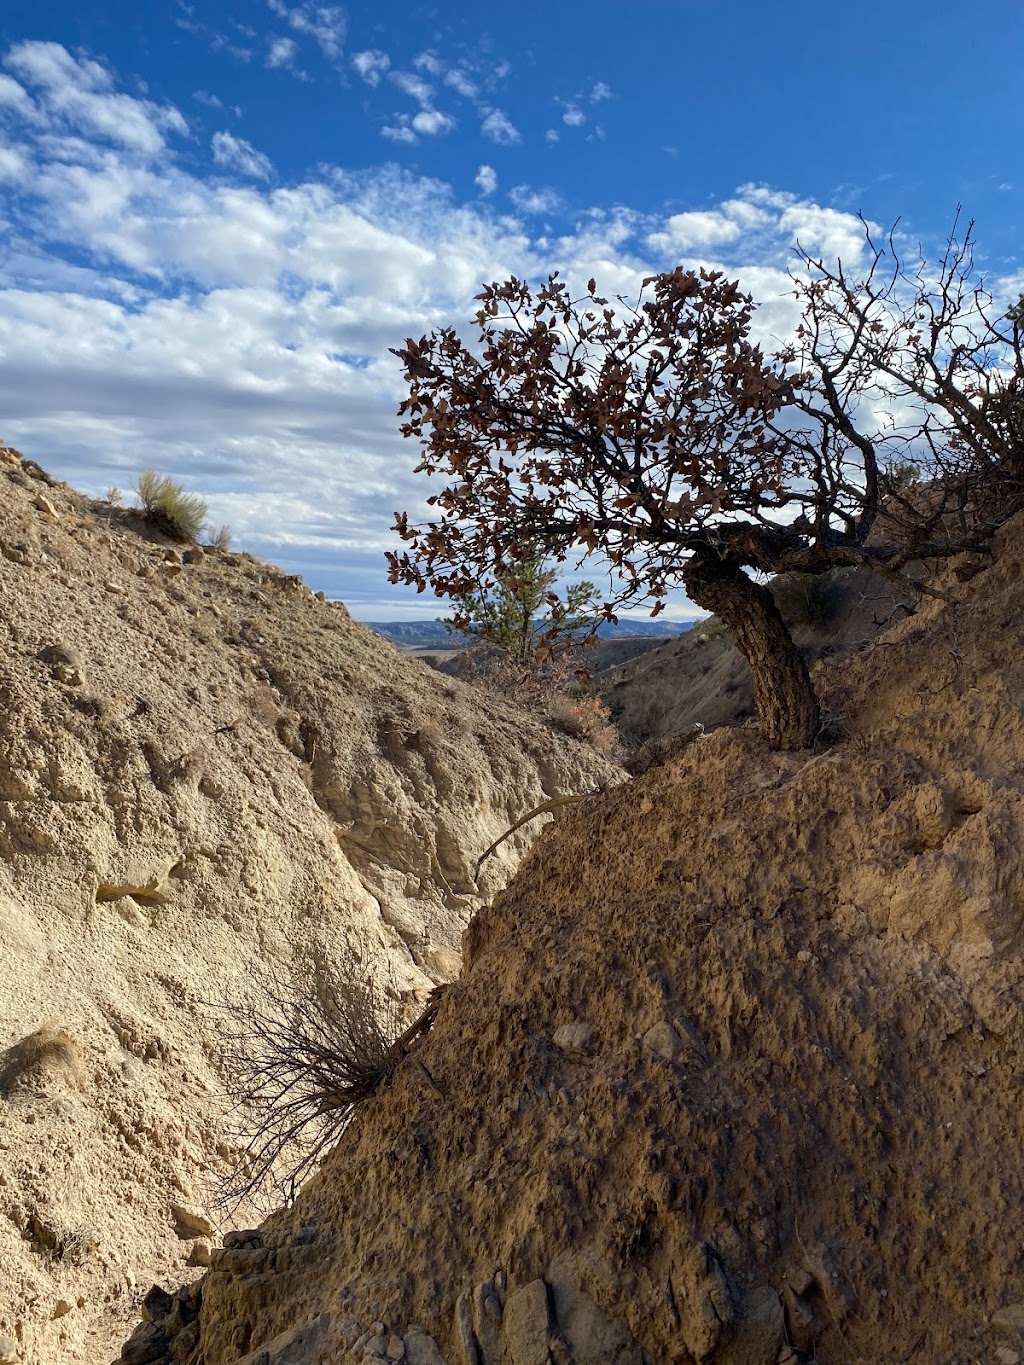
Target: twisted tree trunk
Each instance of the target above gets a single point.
(787, 706)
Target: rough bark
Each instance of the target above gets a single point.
(787, 706)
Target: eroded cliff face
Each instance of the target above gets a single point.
(207, 776)
(732, 1072)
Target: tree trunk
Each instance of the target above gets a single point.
(786, 703)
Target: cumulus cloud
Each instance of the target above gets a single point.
(574, 116)
(431, 122)
(429, 62)
(535, 201)
(325, 24)
(80, 93)
(281, 53)
(414, 86)
(552, 135)
(700, 229)
(239, 155)
(371, 65)
(400, 131)
(486, 180)
(160, 313)
(499, 128)
(461, 83)
(599, 92)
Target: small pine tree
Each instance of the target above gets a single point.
(516, 614)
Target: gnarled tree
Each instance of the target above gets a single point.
(659, 435)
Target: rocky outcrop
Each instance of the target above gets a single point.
(209, 776)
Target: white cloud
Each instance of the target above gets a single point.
(161, 312)
(204, 97)
(428, 62)
(400, 130)
(12, 165)
(14, 96)
(701, 229)
(461, 84)
(325, 24)
(825, 232)
(371, 65)
(80, 94)
(552, 135)
(281, 53)
(533, 201)
(499, 128)
(239, 155)
(413, 86)
(600, 92)
(574, 116)
(486, 180)
(432, 123)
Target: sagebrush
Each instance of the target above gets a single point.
(179, 514)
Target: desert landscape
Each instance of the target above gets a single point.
(729, 1071)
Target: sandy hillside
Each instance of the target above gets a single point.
(206, 775)
(732, 1075)
(701, 677)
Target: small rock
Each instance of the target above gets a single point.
(662, 1040)
(200, 1253)
(573, 1037)
(1007, 1357)
(527, 1324)
(191, 1221)
(60, 1308)
(351, 1331)
(8, 1350)
(1011, 1317)
(421, 1348)
(375, 1346)
(395, 1348)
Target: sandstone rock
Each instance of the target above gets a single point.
(421, 1348)
(301, 1345)
(191, 1221)
(1011, 1318)
(8, 1350)
(573, 1037)
(759, 1331)
(527, 1324)
(487, 1318)
(663, 1041)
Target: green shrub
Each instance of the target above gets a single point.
(711, 628)
(169, 508)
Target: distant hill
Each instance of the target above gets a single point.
(435, 635)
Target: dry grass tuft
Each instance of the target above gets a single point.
(169, 508)
(49, 1054)
(299, 1064)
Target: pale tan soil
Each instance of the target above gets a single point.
(734, 1072)
(206, 775)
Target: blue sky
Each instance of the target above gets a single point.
(215, 218)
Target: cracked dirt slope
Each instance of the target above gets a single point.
(733, 1073)
(206, 775)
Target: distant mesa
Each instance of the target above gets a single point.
(435, 635)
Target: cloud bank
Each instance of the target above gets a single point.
(233, 332)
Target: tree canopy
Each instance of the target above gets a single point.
(659, 434)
